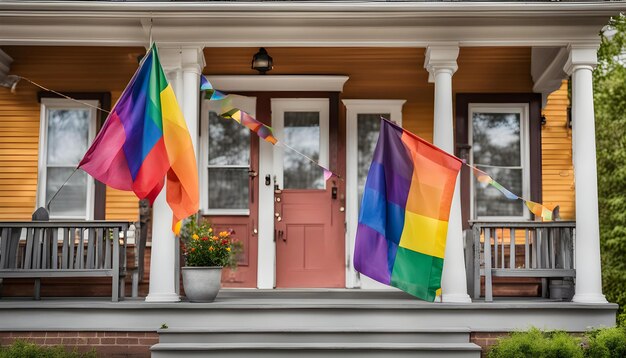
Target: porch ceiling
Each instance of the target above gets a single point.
(232, 24)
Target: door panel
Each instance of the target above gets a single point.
(308, 223)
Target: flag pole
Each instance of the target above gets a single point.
(58, 190)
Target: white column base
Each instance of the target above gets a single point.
(162, 297)
(456, 298)
(589, 298)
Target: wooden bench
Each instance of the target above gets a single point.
(548, 252)
(43, 249)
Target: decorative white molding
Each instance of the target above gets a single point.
(348, 9)
(303, 24)
(279, 83)
(547, 70)
(581, 55)
(188, 58)
(441, 58)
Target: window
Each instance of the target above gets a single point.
(499, 146)
(67, 129)
(302, 132)
(225, 156)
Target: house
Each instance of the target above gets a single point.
(487, 81)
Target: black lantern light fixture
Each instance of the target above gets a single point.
(262, 61)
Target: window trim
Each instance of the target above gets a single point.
(534, 133)
(42, 164)
(247, 104)
(354, 107)
(523, 110)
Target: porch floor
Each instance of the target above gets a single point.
(298, 308)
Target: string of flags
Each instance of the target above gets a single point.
(263, 131)
(537, 209)
(266, 133)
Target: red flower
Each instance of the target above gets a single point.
(205, 239)
(224, 242)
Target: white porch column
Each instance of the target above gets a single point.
(441, 65)
(580, 64)
(182, 67)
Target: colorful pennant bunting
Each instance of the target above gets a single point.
(537, 209)
(263, 131)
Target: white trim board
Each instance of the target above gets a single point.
(279, 83)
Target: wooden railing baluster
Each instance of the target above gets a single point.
(548, 252)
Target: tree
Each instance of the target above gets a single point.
(610, 110)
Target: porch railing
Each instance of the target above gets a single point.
(535, 249)
(38, 249)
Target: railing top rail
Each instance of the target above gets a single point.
(523, 224)
(66, 223)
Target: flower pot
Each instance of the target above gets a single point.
(201, 283)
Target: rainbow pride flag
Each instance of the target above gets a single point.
(144, 140)
(401, 236)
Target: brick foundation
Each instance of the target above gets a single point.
(106, 344)
(486, 339)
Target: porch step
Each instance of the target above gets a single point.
(306, 350)
(313, 335)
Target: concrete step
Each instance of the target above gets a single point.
(307, 350)
(313, 335)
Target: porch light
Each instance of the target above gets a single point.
(262, 61)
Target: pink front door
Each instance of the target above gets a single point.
(308, 214)
(309, 240)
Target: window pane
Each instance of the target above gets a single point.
(489, 201)
(302, 132)
(72, 199)
(68, 135)
(229, 142)
(228, 188)
(496, 139)
(368, 127)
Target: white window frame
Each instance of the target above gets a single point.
(61, 103)
(247, 104)
(282, 105)
(354, 107)
(523, 110)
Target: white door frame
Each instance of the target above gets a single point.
(354, 107)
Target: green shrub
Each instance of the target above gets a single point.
(23, 349)
(536, 344)
(607, 343)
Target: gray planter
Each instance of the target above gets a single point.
(201, 283)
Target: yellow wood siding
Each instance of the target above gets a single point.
(556, 154)
(65, 69)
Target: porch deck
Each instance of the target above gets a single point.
(341, 308)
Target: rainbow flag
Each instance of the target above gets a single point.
(401, 236)
(145, 139)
